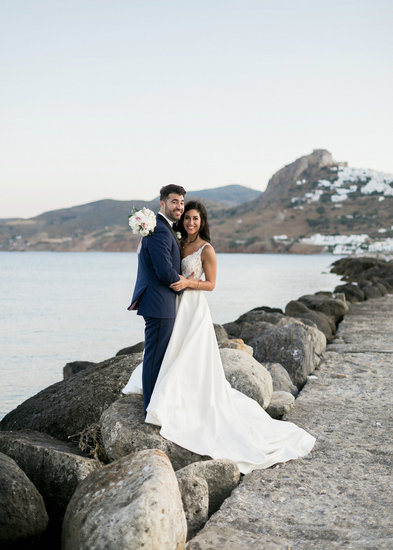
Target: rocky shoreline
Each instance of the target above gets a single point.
(78, 462)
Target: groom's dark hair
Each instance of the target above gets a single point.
(171, 188)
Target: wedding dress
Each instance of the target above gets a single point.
(196, 406)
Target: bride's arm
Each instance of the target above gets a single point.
(209, 264)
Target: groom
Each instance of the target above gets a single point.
(158, 267)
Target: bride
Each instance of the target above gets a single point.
(192, 401)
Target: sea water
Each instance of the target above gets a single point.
(59, 307)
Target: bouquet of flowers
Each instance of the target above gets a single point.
(142, 222)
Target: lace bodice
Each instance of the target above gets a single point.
(193, 263)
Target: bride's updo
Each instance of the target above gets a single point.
(204, 231)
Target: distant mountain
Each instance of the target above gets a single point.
(314, 203)
(100, 225)
(229, 195)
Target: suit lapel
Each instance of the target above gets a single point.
(162, 219)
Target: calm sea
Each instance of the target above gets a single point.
(59, 307)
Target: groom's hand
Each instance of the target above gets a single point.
(182, 283)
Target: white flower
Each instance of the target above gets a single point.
(178, 235)
(142, 222)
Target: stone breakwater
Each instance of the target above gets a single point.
(341, 495)
(78, 459)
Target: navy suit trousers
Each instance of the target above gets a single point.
(157, 336)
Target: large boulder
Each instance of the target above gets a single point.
(388, 284)
(297, 347)
(134, 502)
(256, 318)
(281, 403)
(370, 290)
(124, 431)
(351, 291)
(355, 268)
(300, 311)
(380, 272)
(221, 335)
(330, 306)
(136, 348)
(281, 379)
(23, 517)
(195, 498)
(246, 375)
(76, 366)
(222, 476)
(55, 467)
(374, 277)
(68, 407)
(277, 338)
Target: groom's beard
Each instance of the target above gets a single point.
(171, 215)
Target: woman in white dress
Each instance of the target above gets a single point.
(192, 401)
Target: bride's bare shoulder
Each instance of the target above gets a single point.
(208, 250)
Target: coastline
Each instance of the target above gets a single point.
(64, 307)
(67, 409)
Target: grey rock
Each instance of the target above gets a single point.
(69, 406)
(277, 338)
(76, 366)
(221, 334)
(253, 319)
(246, 375)
(305, 320)
(352, 292)
(23, 516)
(124, 431)
(281, 379)
(134, 502)
(388, 284)
(195, 497)
(136, 348)
(336, 309)
(222, 476)
(55, 467)
(339, 296)
(297, 347)
(356, 268)
(280, 404)
(233, 329)
(301, 311)
(370, 290)
(381, 287)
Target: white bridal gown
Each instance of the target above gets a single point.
(195, 405)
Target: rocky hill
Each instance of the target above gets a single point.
(311, 205)
(314, 203)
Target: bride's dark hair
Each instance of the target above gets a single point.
(204, 231)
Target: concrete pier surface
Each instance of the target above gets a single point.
(341, 495)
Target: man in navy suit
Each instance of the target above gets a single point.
(158, 267)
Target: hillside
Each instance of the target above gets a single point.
(312, 205)
(228, 196)
(101, 225)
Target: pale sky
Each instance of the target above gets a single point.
(113, 99)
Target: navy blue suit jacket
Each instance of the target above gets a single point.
(158, 267)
